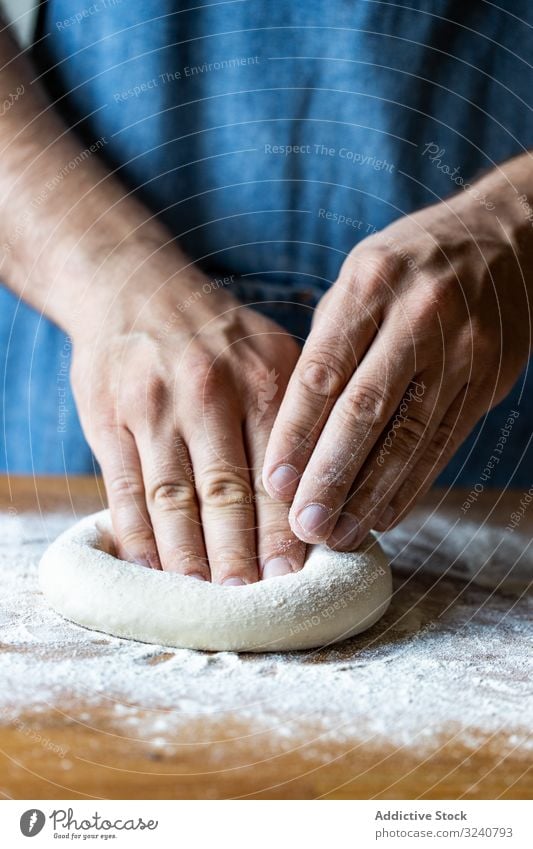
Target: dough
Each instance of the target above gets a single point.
(333, 597)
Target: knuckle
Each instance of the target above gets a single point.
(143, 398)
(444, 441)
(224, 489)
(172, 496)
(136, 539)
(202, 375)
(324, 374)
(298, 441)
(122, 487)
(369, 405)
(189, 559)
(103, 432)
(228, 561)
(434, 298)
(184, 553)
(333, 474)
(409, 437)
(371, 266)
(106, 424)
(230, 557)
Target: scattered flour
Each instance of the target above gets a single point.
(453, 652)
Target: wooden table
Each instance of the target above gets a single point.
(236, 760)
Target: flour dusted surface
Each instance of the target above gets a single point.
(453, 651)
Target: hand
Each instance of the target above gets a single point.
(426, 328)
(177, 386)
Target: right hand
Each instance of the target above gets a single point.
(177, 386)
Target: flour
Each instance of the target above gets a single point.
(454, 651)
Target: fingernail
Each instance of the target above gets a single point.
(197, 575)
(276, 567)
(345, 532)
(283, 478)
(313, 518)
(233, 582)
(388, 516)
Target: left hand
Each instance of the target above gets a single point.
(425, 330)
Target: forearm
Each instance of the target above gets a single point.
(61, 211)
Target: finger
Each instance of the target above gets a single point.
(336, 345)
(393, 458)
(279, 551)
(224, 493)
(354, 425)
(454, 428)
(171, 502)
(117, 454)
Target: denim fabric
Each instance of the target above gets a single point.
(198, 105)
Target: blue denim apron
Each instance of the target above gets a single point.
(271, 137)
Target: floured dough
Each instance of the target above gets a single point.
(333, 597)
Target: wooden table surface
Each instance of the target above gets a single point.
(238, 760)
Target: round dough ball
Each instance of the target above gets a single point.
(333, 597)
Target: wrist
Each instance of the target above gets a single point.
(504, 197)
(146, 283)
(117, 283)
